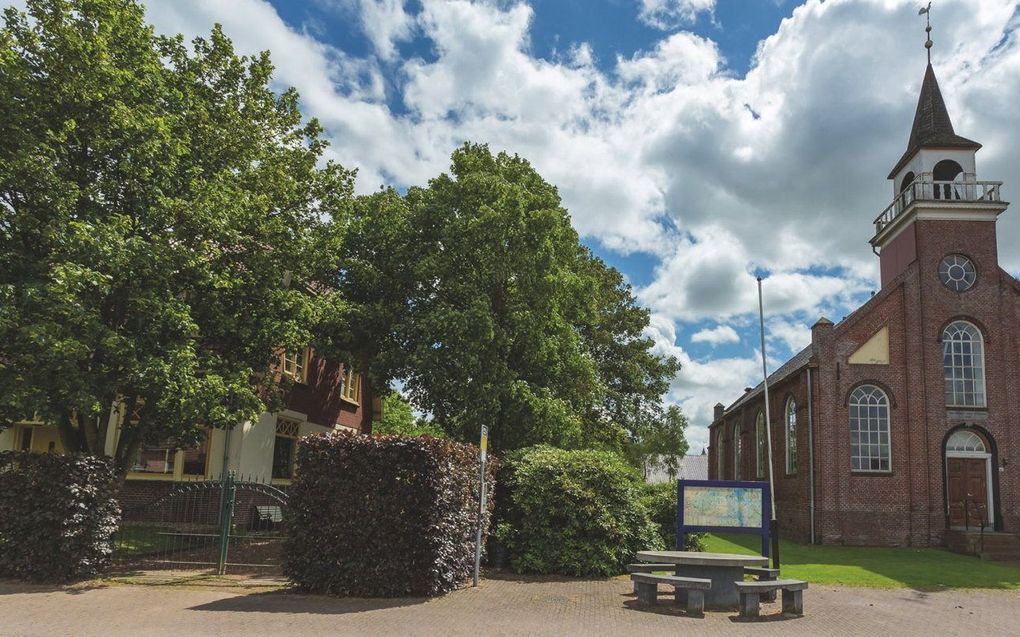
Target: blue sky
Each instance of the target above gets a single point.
(695, 142)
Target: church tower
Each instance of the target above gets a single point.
(936, 180)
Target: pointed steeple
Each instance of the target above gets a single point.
(932, 127)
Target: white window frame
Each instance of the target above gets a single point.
(963, 453)
(887, 405)
(761, 445)
(952, 347)
(738, 452)
(720, 453)
(790, 427)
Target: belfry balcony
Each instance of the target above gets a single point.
(964, 189)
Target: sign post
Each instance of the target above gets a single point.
(483, 447)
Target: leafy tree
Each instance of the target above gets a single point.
(398, 418)
(658, 439)
(494, 313)
(162, 217)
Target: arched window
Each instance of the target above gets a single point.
(966, 442)
(963, 359)
(719, 454)
(790, 420)
(945, 173)
(738, 452)
(869, 430)
(761, 445)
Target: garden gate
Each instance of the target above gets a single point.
(223, 526)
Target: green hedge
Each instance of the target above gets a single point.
(58, 514)
(383, 516)
(573, 513)
(660, 500)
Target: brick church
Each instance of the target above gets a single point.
(900, 425)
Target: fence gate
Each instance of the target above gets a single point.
(219, 526)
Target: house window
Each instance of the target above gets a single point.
(352, 386)
(168, 461)
(738, 452)
(295, 365)
(791, 436)
(869, 430)
(25, 443)
(194, 461)
(285, 449)
(158, 459)
(963, 359)
(761, 444)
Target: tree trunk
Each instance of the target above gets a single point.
(70, 437)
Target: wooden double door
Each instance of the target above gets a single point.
(968, 491)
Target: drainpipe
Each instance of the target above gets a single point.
(811, 454)
(226, 452)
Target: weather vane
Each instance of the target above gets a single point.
(926, 12)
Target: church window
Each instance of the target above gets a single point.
(790, 420)
(738, 452)
(963, 359)
(761, 445)
(957, 272)
(966, 442)
(719, 455)
(869, 430)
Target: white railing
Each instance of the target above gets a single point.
(924, 188)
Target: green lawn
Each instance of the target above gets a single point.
(922, 569)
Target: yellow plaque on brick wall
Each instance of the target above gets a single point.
(874, 352)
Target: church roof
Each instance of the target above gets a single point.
(798, 362)
(932, 127)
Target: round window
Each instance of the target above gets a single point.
(957, 272)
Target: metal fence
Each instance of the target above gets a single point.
(225, 526)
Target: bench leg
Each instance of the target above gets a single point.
(646, 593)
(793, 602)
(695, 603)
(680, 596)
(749, 604)
(769, 596)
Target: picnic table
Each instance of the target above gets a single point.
(724, 569)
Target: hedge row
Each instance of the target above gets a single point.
(383, 516)
(58, 514)
(576, 513)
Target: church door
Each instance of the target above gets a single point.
(968, 492)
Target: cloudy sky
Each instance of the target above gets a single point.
(695, 142)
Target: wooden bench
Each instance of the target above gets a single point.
(763, 574)
(750, 595)
(689, 591)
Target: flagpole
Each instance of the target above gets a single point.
(774, 530)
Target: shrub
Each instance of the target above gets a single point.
(660, 500)
(573, 513)
(58, 514)
(383, 516)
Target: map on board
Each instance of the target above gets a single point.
(722, 506)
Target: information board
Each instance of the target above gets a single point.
(722, 506)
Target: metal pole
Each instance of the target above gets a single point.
(481, 502)
(226, 520)
(774, 531)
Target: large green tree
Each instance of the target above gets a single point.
(478, 294)
(163, 220)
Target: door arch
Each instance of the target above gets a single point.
(970, 496)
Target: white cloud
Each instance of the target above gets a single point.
(717, 175)
(670, 14)
(794, 335)
(717, 335)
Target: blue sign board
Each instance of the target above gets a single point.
(722, 506)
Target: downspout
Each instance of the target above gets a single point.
(811, 454)
(226, 452)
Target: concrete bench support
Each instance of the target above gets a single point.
(689, 591)
(751, 592)
(763, 574)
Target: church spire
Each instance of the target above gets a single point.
(932, 126)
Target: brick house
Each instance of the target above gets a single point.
(325, 396)
(899, 424)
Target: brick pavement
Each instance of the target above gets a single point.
(498, 607)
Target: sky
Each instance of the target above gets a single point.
(696, 143)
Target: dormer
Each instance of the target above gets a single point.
(936, 178)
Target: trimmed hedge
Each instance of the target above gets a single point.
(58, 514)
(573, 513)
(660, 500)
(383, 516)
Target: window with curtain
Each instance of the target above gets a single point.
(963, 359)
(869, 430)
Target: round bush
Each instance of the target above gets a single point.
(660, 500)
(573, 513)
(58, 514)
